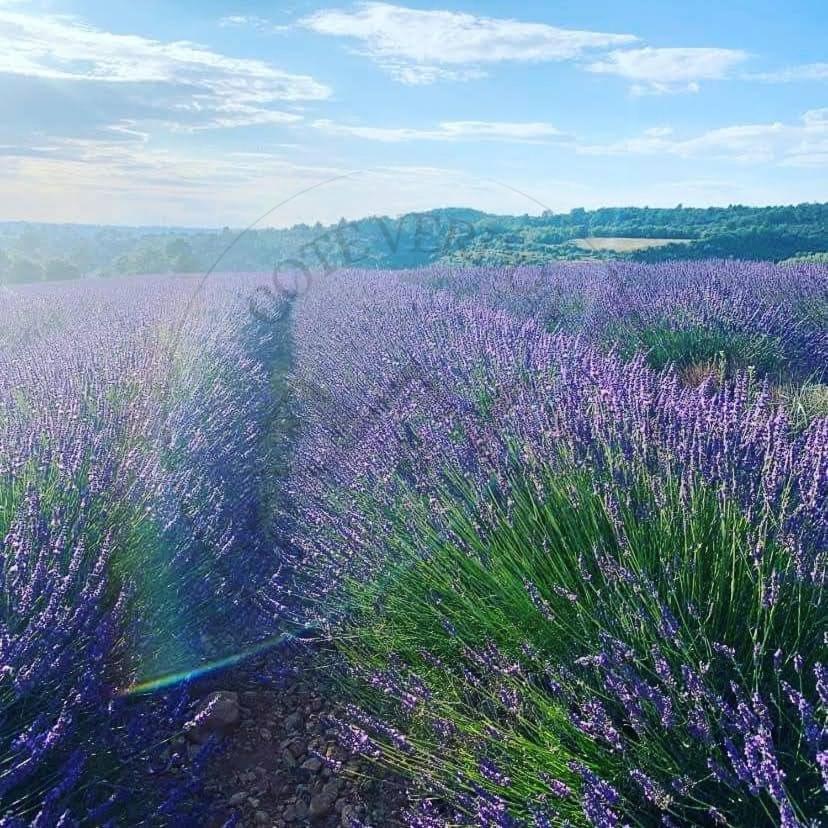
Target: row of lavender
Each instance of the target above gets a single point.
(752, 313)
(131, 462)
(574, 590)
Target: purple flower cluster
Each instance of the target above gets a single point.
(131, 462)
(776, 314)
(599, 798)
(415, 401)
(404, 383)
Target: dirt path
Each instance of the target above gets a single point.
(281, 764)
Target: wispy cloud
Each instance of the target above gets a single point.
(129, 180)
(413, 74)
(416, 46)
(201, 88)
(525, 132)
(232, 20)
(129, 183)
(252, 21)
(793, 74)
(802, 144)
(660, 71)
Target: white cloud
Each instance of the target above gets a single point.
(240, 20)
(131, 183)
(251, 21)
(127, 181)
(639, 90)
(413, 44)
(816, 116)
(201, 88)
(802, 144)
(792, 74)
(413, 74)
(660, 71)
(529, 132)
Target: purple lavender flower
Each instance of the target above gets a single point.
(653, 792)
(598, 799)
(489, 770)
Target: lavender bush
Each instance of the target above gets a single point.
(569, 526)
(130, 464)
(572, 590)
(693, 314)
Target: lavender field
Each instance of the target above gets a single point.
(563, 530)
(131, 461)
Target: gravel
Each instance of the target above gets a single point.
(281, 766)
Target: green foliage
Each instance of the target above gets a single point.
(807, 258)
(59, 270)
(806, 403)
(32, 252)
(698, 346)
(544, 586)
(22, 269)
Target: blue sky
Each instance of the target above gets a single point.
(209, 113)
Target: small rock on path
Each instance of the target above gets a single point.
(282, 766)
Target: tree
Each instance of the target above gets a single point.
(61, 270)
(25, 270)
(180, 256)
(32, 240)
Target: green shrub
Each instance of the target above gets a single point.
(488, 643)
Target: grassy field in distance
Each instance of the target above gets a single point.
(623, 244)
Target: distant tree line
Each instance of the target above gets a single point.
(38, 252)
(739, 232)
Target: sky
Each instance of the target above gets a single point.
(211, 113)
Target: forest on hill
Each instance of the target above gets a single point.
(44, 252)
